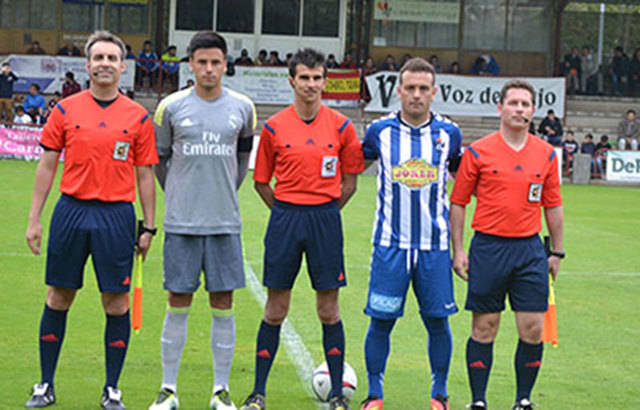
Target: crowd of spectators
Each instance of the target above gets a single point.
(619, 76)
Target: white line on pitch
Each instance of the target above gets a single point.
(293, 343)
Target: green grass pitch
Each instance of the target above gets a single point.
(595, 367)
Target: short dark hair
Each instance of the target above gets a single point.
(521, 84)
(570, 132)
(69, 75)
(103, 35)
(417, 65)
(5, 64)
(146, 42)
(631, 111)
(588, 136)
(206, 39)
(34, 85)
(309, 57)
(604, 138)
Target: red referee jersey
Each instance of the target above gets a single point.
(510, 185)
(308, 160)
(101, 145)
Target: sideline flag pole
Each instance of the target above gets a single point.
(136, 306)
(550, 325)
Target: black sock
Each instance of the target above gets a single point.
(116, 341)
(333, 343)
(479, 360)
(527, 363)
(266, 348)
(52, 328)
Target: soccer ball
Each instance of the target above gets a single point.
(321, 382)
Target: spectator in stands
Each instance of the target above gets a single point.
(35, 48)
(485, 65)
(569, 149)
(130, 55)
(52, 104)
(348, 61)
(589, 67)
(244, 58)
(288, 59)
(588, 147)
(7, 79)
(190, 83)
(22, 117)
(551, 129)
(34, 103)
(405, 57)
(572, 70)
(628, 131)
(454, 68)
(532, 127)
(70, 85)
(619, 71)
(435, 62)
(70, 50)
(600, 155)
(369, 67)
(331, 61)
(634, 74)
(262, 58)
(146, 65)
(170, 67)
(389, 64)
(274, 59)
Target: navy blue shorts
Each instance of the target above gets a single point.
(316, 231)
(517, 266)
(104, 230)
(392, 269)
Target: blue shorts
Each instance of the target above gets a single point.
(315, 230)
(104, 230)
(391, 271)
(517, 266)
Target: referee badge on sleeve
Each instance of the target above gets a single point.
(535, 192)
(121, 151)
(329, 166)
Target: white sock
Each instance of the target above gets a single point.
(223, 340)
(174, 336)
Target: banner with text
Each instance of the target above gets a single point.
(623, 166)
(20, 142)
(270, 85)
(466, 95)
(49, 71)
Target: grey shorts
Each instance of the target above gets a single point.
(218, 256)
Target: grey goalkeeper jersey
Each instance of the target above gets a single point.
(198, 141)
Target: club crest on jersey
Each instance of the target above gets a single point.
(535, 192)
(121, 151)
(329, 166)
(415, 173)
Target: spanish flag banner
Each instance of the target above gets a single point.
(550, 326)
(342, 85)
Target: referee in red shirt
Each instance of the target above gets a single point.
(109, 145)
(513, 174)
(315, 156)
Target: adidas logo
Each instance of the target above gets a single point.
(334, 352)
(264, 353)
(50, 338)
(537, 363)
(126, 281)
(478, 364)
(186, 122)
(118, 343)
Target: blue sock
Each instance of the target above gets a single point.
(52, 327)
(527, 363)
(333, 343)
(440, 348)
(376, 352)
(479, 360)
(266, 348)
(116, 341)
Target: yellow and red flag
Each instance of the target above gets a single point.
(342, 84)
(550, 326)
(136, 306)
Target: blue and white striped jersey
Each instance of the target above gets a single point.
(412, 203)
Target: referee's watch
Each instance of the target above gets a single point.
(153, 231)
(559, 255)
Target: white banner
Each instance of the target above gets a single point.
(623, 166)
(48, 72)
(263, 85)
(466, 95)
(417, 11)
